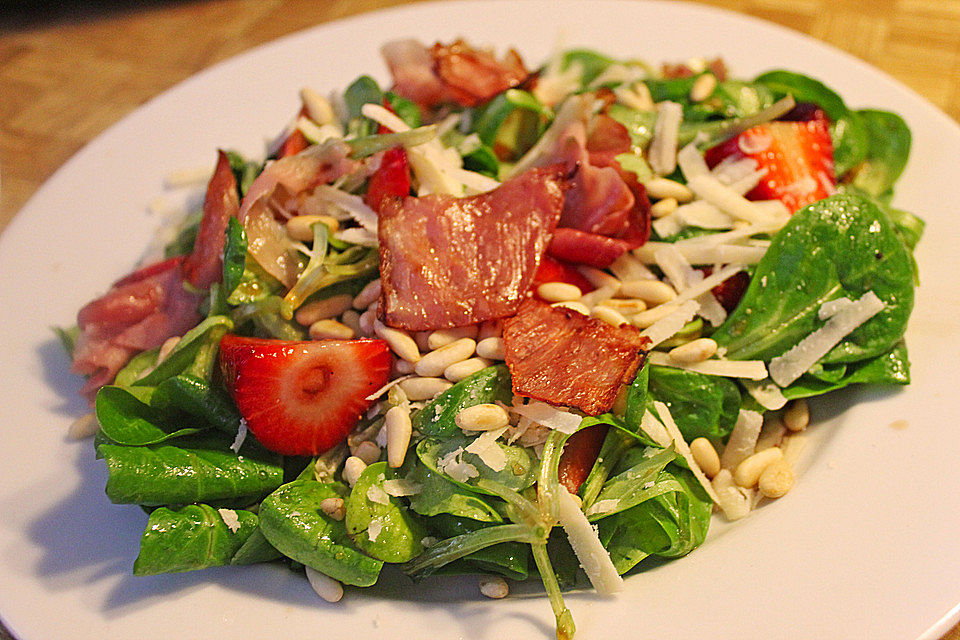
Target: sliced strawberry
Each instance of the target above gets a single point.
(295, 142)
(796, 156)
(579, 455)
(729, 292)
(302, 398)
(392, 179)
(553, 270)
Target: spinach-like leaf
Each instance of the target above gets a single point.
(380, 524)
(292, 521)
(629, 488)
(519, 473)
(126, 420)
(199, 398)
(485, 386)
(406, 110)
(592, 63)
(195, 353)
(189, 538)
(361, 91)
(887, 153)
(701, 405)
(509, 559)
(234, 256)
(68, 338)
(202, 470)
(843, 245)
(892, 367)
(255, 549)
(441, 496)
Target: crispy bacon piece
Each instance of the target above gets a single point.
(563, 357)
(455, 73)
(447, 262)
(139, 312)
(204, 265)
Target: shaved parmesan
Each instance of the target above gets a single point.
(751, 369)
(727, 200)
(378, 495)
(599, 294)
(794, 363)
(691, 162)
(627, 267)
(549, 416)
(453, 465)
(486, 448)
(352, 205)
(242, 431)
(703, 286)
(766, 393)
(669, 325)
(574, 108)
(733, 500)
(653, 428)
(667, 225)
(666, 132)
(399, 487)
(833, 307)
(743, 439)
(603, 506)
(701, 213)
(374, 529)
(358, 235)
(230, 519)
(704, 252)
(683, 449)
(385, 388)
(586, 544)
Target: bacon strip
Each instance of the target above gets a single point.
(448, 262)
(563, 357)
(204, 265)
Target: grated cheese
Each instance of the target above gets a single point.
(374, 529)
(378, 495)
(691, 162)
(766, 393)
(453, 465)
(351, 204)
(230, 519)
(786, 368)
(549, 416)
(586, 545)
(603, 506)
(669, 325)
(733, 500)
(242, 431)
(701, 213)
(399, 487)
(657, 432)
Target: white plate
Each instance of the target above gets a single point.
(866, 546)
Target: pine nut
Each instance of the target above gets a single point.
(334, 507)
(369, 294)
(403, 367)
(325, 586)
(424, 388)
(434, 363)
(492, 348)
(771, 435)
(734, 501)
(559, 292)
(792, 446)
(494, 587)
(330, 329)
(776, 480)
(646, 318)
(84, 427)
(298, 227)
(610, 316)
(443, 337)
(653, 292)
(399, 340)
(399, 428)
(661, 188)
(748, 472)
(366, 320)
(490, 329)
(665, 207)
(367, 451)
(167, 347)
(628, 267)
(598, 277)
(626, 306)
(598, 295)
(351, 318)
(318, 108)
(322, 309)
(796, 416)
(482, 417)
(574, 305)
(705, 456)
(465, 368)
(352, 469)
(694, 351)
(703, 87)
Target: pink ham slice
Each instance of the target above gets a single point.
(204, 265)
(563, 357)
(139, 312)
(448, 262)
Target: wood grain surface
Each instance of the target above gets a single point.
(49, 51)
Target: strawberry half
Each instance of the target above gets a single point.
(302, 398)
(797, 158)
(392, 179)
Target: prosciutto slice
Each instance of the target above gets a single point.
(563, 357)
(204, 265)
(455, 73)
(448, 262)
(139, 312)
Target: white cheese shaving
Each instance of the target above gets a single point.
(766, 393)
(351, 204)
(230, 519)
(669, 325)
(743, 439)
(733, 500)
(549, 416)
(586, 545)
(666, 132)
(599, 294)
(399, 487)
(627, 267)
(453, 465)
(691, 162)
(833, 307)
(683, 449)
(378, 495)
(374, 529)
(358, 235)
(385, 388)
(602, 506)
(683, 276)
(751, 369)
(703, 252)
(242, 431)
(733, 169)
(701, 213)
(727, 200)
(657, 432)
(794, 363)
(486, 448)
(695, 290)
(317, 134)
(668, 225)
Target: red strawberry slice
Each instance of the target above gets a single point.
(392, 179)
(797, 158)
(579, 455)
(553, 270)
(302, 398)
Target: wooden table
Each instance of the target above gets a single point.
(135, 49)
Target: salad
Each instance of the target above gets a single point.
(499, 321)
